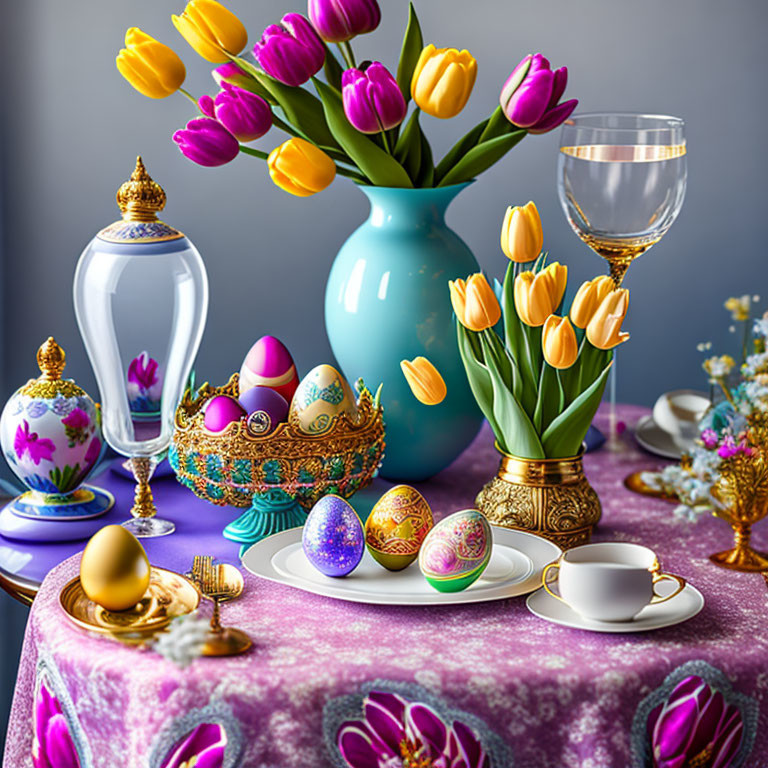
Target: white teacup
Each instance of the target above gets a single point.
(613, 581)
(678, 413)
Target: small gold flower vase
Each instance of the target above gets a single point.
(548, 497)
(741, 517)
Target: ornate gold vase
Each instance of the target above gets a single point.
(742, 557)
(549, 497)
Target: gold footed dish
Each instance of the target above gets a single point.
(548, 497)
(169, 595)
(742, 557)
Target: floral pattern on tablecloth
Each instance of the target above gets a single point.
(559, 697)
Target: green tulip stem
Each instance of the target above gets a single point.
(253, 152)
(283, 126)
(346, 52)
(386, 142)
(186, 93)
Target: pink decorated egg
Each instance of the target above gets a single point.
(269, 364)
(265, 407)
(221, 411)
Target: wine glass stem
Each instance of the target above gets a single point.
(143, 502)
(618, 268)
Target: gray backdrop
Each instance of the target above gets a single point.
(72, 127)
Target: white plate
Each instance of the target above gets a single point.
(517, 560)
(680, 608)
(655, 440)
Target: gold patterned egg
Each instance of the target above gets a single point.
(321, 396)
(114, 569)
(396, 527)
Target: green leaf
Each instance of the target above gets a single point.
(426, 177)
(497, 126)
(378, 165)
(481, 158)
(563, 437)
(517, 342)
(413, 44)
(517, 434)
(478, 377)
(459, 149)
(302, 110)
(333, 70)
(252, 85)
(549, 403)
(408, 148)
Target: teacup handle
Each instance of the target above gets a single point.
(657, 577)
(544, 580)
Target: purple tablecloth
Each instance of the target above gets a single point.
(557, 697)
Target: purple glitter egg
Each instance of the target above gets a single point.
(333, 538)
(265, 408)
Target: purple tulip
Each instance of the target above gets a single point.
(290, 51)
(52, 745)
(244, 114)
(373, 100)
(232, 74)
(207, 142)
(530, 95)
(206, 105)
(337, 21)
(203, 747)
(695, 726)
(397, 732)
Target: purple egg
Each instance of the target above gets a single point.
(333, 538)
(221, 411)
(265, 408)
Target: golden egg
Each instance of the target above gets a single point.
(114, 569)
(396, 527)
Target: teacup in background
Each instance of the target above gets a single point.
(611, 581)
(678, 413)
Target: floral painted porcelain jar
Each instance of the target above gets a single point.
(50, 431)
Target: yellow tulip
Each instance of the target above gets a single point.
(425, 381)
(537, 296)
(588, 298)
(558, 342)
(211, 29)
(604, 329)
(521, 235)
(458, 289)
(149, 66)
(482, 309)
(443, 80)
(300, 168)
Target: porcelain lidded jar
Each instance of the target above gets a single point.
(50, 431)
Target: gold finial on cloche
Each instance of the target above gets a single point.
(140, 198)
(51, 359)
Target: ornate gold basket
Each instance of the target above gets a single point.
(276, 476)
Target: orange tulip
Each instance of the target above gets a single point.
(537, 296)
(588, 298)
(458, 289)
(482, 309)
(521, 235)
(558, 342)
(604, 329)
(425, 381)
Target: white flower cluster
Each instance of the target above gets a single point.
(694, 489)
(755, 364)
(184, 639)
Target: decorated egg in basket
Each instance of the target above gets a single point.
(269, 364)
(265, 407)
(397, 526)
(456, 551)
(221, 411)
(322, 395)
(333, 538)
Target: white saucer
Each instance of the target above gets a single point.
(517, 561)
(680, 608)
(655, 440)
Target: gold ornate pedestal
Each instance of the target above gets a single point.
(549, 497)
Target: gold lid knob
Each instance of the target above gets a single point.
(51, 359)
(140, 198)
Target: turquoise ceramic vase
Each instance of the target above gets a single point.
(387, 300)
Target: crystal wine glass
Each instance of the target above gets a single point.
(621, 180)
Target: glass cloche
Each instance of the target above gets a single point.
(141, 300)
